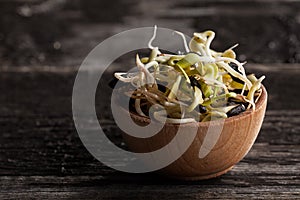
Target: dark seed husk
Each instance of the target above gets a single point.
(202, 109)
(237, 80)
(161, 87)
(131, 105)
(231, 103)
(235, 67)
(194, 82)
(238, 91)
(237, 110)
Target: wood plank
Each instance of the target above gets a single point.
(41, 155)
(58, 150)
(83, 187)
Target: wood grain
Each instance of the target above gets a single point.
(41, 155)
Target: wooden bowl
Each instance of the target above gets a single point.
(237, 137)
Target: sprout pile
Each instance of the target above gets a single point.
(199, 85)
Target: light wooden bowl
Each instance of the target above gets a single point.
(237, 137)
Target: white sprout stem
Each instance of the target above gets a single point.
(240, 65)
(162, 78)
(254, 88)
(150, 46)
(197, 100)
(174, 88)
(169, 104)
(222, 73)
(151, 64)
(152, 38)
(162, 59)
(142, 81)
(216, 114)
(243, 63)
(233, 72)
(149, 78)
(218, 83)
(184, 41)
(137, 105)
(234, 46)
(222, 109)
(215, 53)
(243, 90)
(251, 103)
(208, 43)
(206, 59)
(149, 94)
(193, 43)
(121, 78)
(202, 51)
(158, 116)
(135, 82)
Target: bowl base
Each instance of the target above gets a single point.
(203, 177)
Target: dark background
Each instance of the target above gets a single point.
(42, 44)
(62, 32)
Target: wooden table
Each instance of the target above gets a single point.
(41, 155)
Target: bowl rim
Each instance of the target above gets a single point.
(259, 105)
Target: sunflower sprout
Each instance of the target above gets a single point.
(199, 85)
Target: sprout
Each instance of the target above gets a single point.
(200, 85)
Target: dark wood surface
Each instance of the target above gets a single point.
(41, 156)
